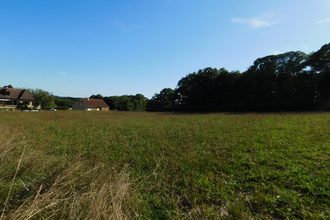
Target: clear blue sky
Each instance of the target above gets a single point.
(115, 47)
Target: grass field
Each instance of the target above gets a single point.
(117, 165)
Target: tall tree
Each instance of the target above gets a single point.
(262, 76)
(226, 87)
(319, 63)
(198, 90)
(140, 102)
(288, 68)
(164, 101)
(270, 80)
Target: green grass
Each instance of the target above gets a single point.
(78, 165)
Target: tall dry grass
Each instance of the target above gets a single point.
(74, 194)
(36, 185)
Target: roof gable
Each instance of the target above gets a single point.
(26, 95)
(17, 94)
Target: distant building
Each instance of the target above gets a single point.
(11, 98)
(90, 105)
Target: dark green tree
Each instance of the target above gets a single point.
(226, 88)
(113, 102)
(98, 96)
(136, 102)
(46, 99)
(64, 102)
(163, 101)
(319, 64)
(140, 102)
(198, 90)
(270, 82)
(288, 68)
(126, 103)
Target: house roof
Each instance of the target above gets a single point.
(95, 103)
(17, 94)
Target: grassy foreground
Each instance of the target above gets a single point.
(115, 165)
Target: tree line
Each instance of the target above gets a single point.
(136, 102)
(48, 101)
(292, 81)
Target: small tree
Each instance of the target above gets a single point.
(45, 99)
(48, 102)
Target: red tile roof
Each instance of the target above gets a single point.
(95, 103)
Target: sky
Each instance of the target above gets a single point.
(79, 48)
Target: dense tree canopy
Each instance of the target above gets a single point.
(319, 64)
(198, 89)
(292, 81)
(64, 103)
(164, 101)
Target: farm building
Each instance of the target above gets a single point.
(90, 105)
(11, 98)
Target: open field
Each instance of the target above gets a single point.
(117, 165)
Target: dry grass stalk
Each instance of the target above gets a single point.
(11, 185)
(90, 195)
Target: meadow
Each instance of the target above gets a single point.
(129, 165)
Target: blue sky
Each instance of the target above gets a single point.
(79, 48)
